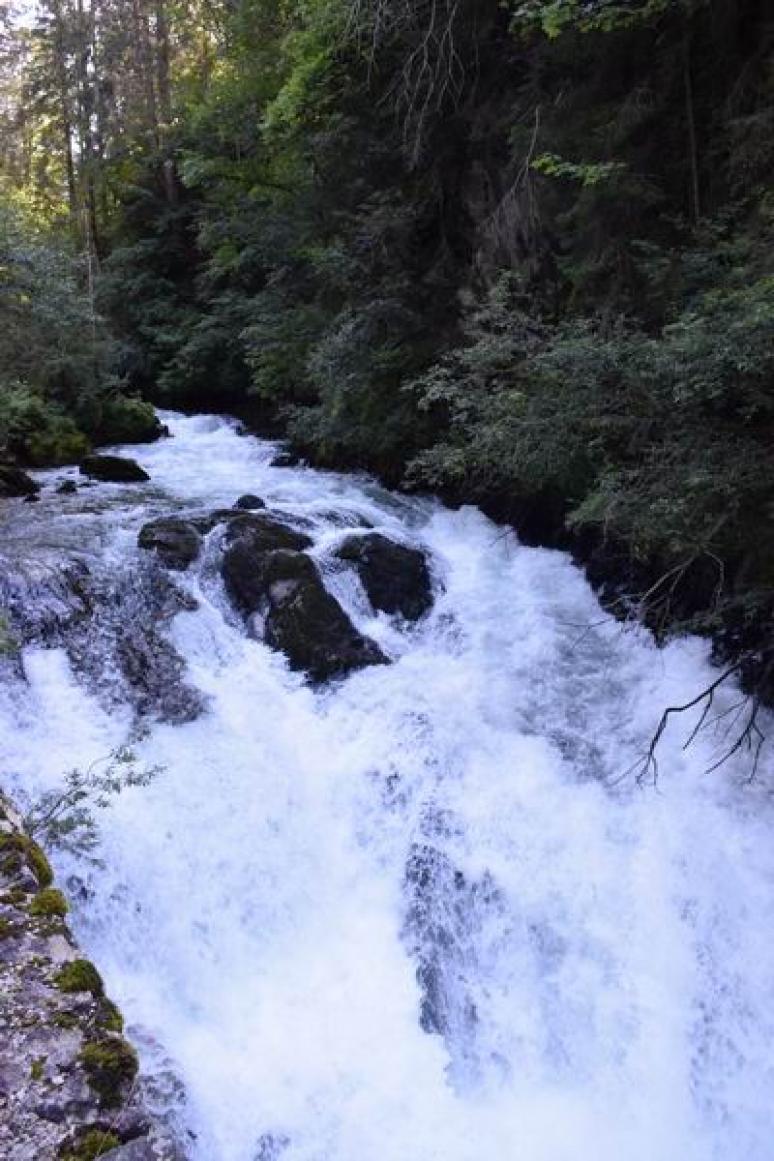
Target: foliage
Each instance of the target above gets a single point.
(65, 818)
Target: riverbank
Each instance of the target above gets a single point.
(68, 1076)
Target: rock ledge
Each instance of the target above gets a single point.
(67, 1075)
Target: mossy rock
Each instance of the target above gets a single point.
(126, 419)
(65, 1020)
(16, 850)
(111, 1065)
(110, 1018)
(37, 1067)
(9, 929)
(93, 1143)
(80, 975)
(16, 897)
(48, 903)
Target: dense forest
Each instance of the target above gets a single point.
(518, 252)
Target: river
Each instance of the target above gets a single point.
(425, 912)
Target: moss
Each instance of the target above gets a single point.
(37, 1067)
(49, 902)
(111, 1066)
(8, 929)
(65, 1020)
(18, 849)
(80, 975)
(16, 897)
(93, 1143)
(110, 1018)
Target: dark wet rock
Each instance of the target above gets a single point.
(177, 543)
(248, 540)
(262, 524)
(15, 482)
(396, 578)
(249, 502)
(55, 1020)
(67, 488)
(309, 625)
(34, 499)
(301, 618)
(113, 469)
(286, 459)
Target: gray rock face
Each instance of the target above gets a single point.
(396, 578)
(122, 649)
(65, 1069)
(40, 599)
(15, 482)
(176, 542)
(114, 469)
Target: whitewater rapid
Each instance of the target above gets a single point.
(601, 950)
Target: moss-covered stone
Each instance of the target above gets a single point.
(37, 1067)
(16, 897)
(111, 1066)
(93, 1143)
(110, 1018)
(65, 1020)
(80, 975)
(8, 929)
(16, 850)
(48, 903)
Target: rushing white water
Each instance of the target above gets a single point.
(276, 906)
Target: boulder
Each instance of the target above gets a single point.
(249, 502)
(248, 540)
(241, 522)
(67, 488)
(176, 542)
(15, 482)
(308, 624)
(286, 459)
(301, 618)
(396, 578)
(113, 469)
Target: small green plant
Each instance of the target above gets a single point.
(65, 818)
(94, 1143)
(49, 903)
(18, 850)
(111, 1066)
(80, 975)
